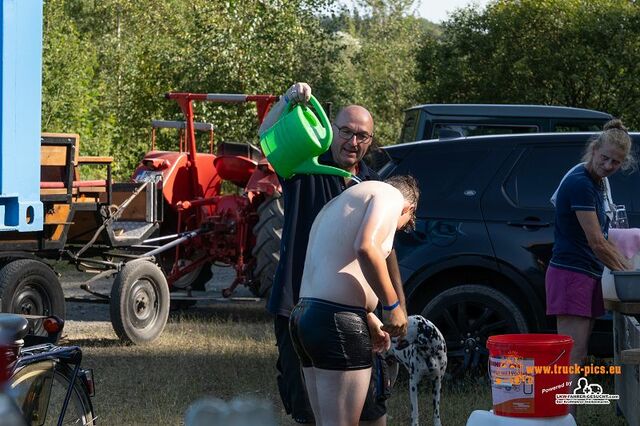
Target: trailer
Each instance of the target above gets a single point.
(156, 234)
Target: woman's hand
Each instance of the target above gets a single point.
(380, 340)
(604, 250)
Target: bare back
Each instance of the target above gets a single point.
(331, 270)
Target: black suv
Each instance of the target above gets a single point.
(432, 121)
(476, 263)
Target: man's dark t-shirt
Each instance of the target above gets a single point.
(304, 197)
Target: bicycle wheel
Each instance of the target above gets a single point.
(39, 390)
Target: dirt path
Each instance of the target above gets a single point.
(99, 312)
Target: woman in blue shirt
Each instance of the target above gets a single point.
(581, 248)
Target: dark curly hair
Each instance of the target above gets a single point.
(408, 187)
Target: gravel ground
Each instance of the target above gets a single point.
(99, 312)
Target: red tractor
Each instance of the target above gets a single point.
(202, 226)
(239, 230)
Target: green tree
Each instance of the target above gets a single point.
(555, 52)
(374, 62)
(71, 91)
(110, 62)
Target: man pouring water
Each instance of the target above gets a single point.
(304, 196)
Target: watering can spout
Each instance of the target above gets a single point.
(311, 166)
(301, 134)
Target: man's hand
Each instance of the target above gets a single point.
(395, 322)
(299, 92)
(380, 340)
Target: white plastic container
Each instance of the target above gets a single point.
(487, 418)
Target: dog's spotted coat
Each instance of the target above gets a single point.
(423, 352)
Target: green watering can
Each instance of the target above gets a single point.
(292, 145)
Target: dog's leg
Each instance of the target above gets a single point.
(392, 371)
(414, 379)
(436, 383)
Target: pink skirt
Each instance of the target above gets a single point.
(573, 293)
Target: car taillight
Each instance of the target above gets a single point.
(8, 357)
(53, 325)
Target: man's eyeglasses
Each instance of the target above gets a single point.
(347, 134)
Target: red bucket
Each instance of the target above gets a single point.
(525, 376)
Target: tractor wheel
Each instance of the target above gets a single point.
(268, 232)
(139, 302)
(30, 287)
(195, 279)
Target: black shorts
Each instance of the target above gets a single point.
(291, 384)
(330, 336)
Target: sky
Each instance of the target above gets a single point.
(436, 10)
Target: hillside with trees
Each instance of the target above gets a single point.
(108, 63)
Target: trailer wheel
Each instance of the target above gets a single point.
(139, 302)
(268, 232)
(30, 287)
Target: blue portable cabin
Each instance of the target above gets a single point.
(20, 113)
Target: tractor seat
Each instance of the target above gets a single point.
(238, 149)
(236, 162)
(12, 327)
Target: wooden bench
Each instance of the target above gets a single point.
(60, 170)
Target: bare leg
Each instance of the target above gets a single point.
(340, 395)
(579, 329)
(382, 420)
(310, 384)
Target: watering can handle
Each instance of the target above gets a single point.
(324, 120)
(321, 115)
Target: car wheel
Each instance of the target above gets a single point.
(467, 315)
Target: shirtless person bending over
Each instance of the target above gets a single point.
(345, 275)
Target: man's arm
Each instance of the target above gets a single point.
(377, 223)
(604, 250)
(396, 279)
(299, 92)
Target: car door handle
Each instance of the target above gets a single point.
(529, 223)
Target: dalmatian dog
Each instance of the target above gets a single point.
(423, 352)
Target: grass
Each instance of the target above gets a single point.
(229, 351)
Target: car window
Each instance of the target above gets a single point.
(449, 130)
(577, 127)
(410, 126)
(537, 174)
